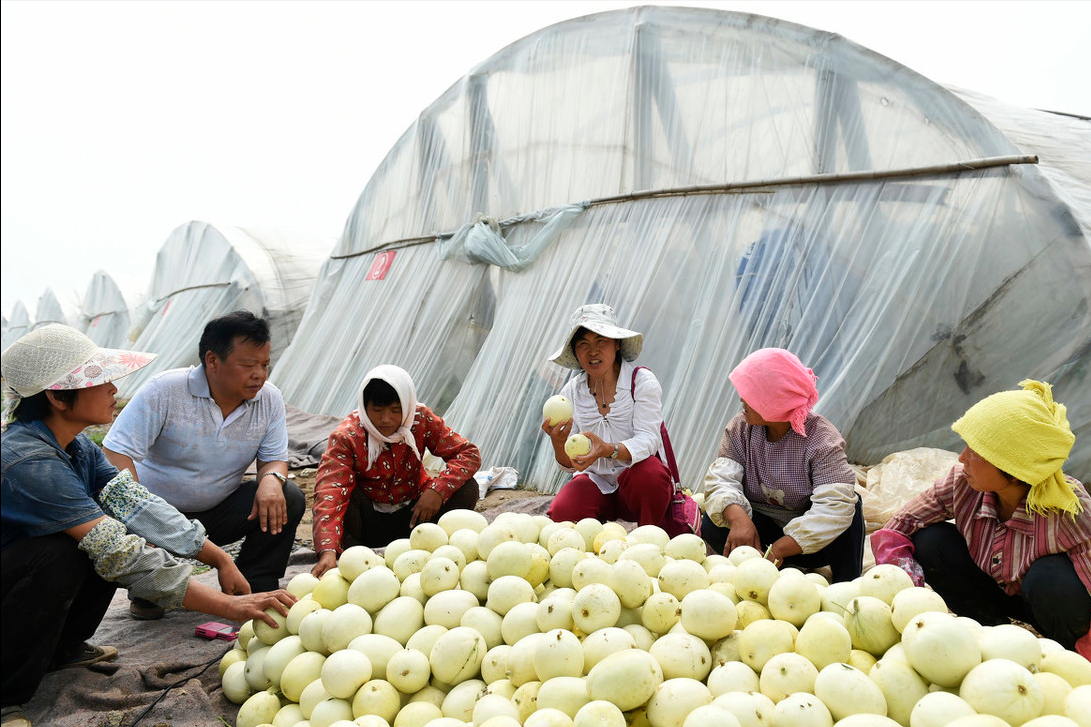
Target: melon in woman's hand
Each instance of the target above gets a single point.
(557, 410)
(578, 445)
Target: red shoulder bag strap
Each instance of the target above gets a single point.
(672, 465)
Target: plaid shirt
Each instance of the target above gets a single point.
(1003, 549)
(395, 476)
(803, 483)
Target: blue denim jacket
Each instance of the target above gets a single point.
(47, 490)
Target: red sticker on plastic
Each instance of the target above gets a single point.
(382, 263)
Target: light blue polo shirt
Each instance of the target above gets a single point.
(184, 449)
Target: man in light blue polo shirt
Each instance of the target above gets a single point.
(189, 435)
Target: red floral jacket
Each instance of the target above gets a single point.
(395, 476)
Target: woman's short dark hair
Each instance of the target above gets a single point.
(36, 407)
(379, 393)
(220, 333)
(580, 333)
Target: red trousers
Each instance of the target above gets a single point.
(643, 494)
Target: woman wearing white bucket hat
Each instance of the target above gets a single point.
(618, 406)
(74, 528)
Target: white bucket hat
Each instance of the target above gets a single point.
(57, 357)
(601, 319)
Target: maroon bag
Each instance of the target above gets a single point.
(683, 509)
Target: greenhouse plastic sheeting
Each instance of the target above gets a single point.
(203, 271)
(17, 326)
(49, 310)
(105, 314)
(837, 214)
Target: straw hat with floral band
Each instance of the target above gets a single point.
(601, 319)
(59, 358)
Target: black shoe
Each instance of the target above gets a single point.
(143, 610)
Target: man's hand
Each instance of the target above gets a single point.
(269, 506)
(327, 560)
(428, 504)
(244, 608)
(742, 530)
(232, 581)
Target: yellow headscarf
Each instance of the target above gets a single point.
(1025, 434)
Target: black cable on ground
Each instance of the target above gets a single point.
(180, 682)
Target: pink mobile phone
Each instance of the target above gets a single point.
(216, 630)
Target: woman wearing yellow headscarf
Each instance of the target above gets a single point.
(1020, 544)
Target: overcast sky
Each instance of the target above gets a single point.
(123, 120)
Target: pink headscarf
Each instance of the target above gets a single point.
(777, 386)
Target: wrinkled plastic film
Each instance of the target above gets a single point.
(104, 316)
(203, 271)
(911, 297)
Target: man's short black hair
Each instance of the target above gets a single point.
(36, 407)
(220, 334)
(380, 393)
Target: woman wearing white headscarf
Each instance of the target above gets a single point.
(74, 528)
(372, 487)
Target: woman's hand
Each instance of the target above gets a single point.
(557, 432)
(741, 529)
(207, 599)
(231, 578)
(599, 449)
(428, 504)
(232, 581)
(253, 605)
(784, 547)
(327, 559)
(558, 435)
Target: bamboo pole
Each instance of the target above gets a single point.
(747, 187)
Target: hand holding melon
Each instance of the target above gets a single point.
(577, 445)
(557, 410)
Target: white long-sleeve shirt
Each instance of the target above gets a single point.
(632, 423)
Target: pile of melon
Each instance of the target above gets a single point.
(524, 622)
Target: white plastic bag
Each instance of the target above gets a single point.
(899, 478)
(496, 478)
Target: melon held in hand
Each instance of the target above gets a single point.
(578, 445)
(557, 410)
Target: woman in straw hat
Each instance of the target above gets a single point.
(619, 408)
(1020, 544)
(74, 528)
(781, 482)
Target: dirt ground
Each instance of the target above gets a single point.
(304, 478)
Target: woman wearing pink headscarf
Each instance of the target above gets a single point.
(781, 481)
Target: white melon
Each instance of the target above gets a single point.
(786, 674)
(846, 690)
(1003, 688)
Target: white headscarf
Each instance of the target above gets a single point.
(402, 383)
